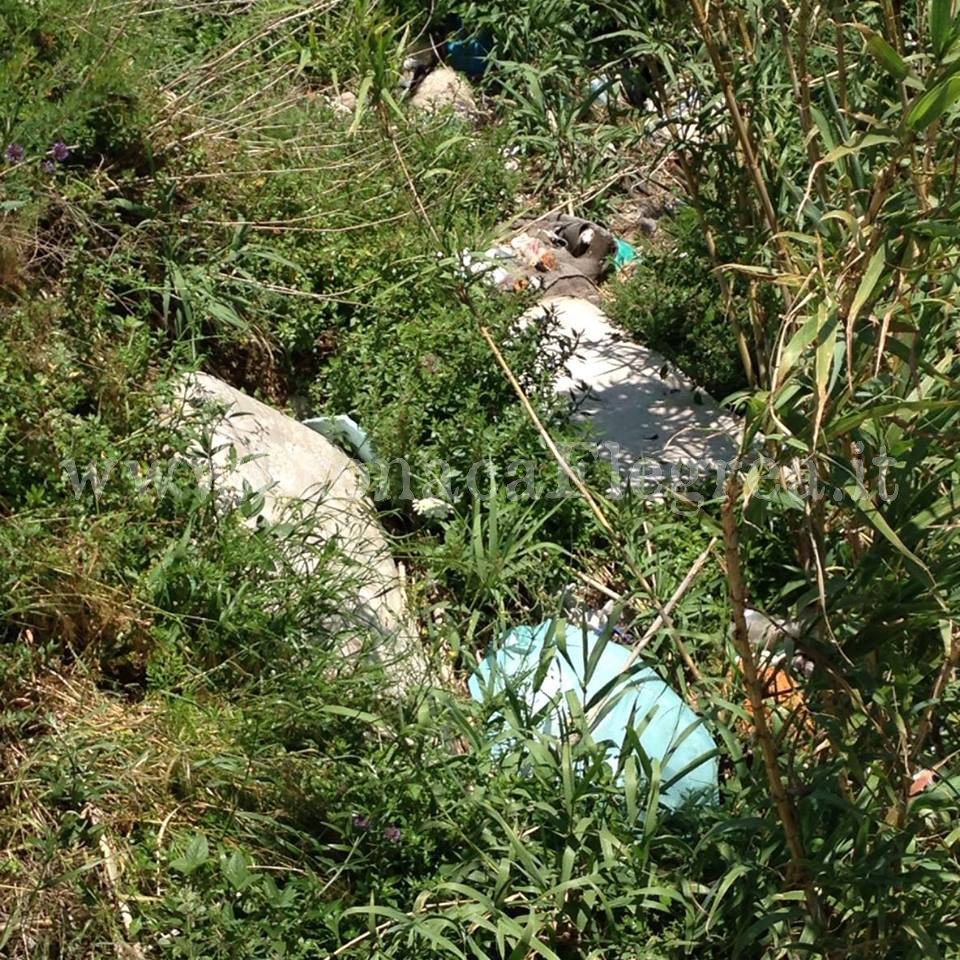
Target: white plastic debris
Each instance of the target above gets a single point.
(432, 508)
(344, 431)
(528, 249)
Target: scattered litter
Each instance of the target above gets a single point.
(299, 476)
(626, 253)
(605, 89)
(510, 161)
(527, 250)
(643, 412)
(668, 730)
(416, 65)
(344, 104)
(766, 633)
(780, 668)
(470, 55)
(780, 686)
(444, 88)
(560, 255)
(345, 432)
(432, 508)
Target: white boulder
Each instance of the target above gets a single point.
(444, 88)
(250, 446)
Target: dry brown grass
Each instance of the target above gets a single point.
(86, 777)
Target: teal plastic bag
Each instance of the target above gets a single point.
(667, 728)
(626, 253)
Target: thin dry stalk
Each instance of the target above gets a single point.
(658, 624)
(754, 686)
(742, 130)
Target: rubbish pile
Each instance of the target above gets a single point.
(441, 89)
(653, 417)
(556, 255)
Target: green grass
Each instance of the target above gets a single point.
(189, 766)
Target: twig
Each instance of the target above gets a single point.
(671, 604)
(599, 587)
(658, 623)
(547, 439)
(350, 944)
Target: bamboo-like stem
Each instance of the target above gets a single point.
(759, 333)
(742, 131)
(842, 83)
(696, 201)
(806, 113)
(787, 52)
(738, 597)
(893, 26)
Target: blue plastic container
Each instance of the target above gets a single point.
(667, 728)
(469, 56)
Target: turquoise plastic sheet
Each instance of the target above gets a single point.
(667, 728)
(626, 253)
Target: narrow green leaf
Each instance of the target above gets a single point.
(877, 520)
(827, 335)
(728, 881)
(567, 776)
(935, 103)
(653, 799)
(941, 25)
(596, 652)
(471, 893)
(887, 57)
(225, 314)
(631, 786)
(878, 412)
(349, 712)
(823, 125)
(362, 93)
(868, 282)
(798, 343)
(870, 140)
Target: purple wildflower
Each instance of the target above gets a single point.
(48, 166)
(15, 153)
(60, 151)
(360, 822)
(393, 834)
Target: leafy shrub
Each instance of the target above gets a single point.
(673, 303)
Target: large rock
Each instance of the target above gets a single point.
(443, 88)
(302, 476)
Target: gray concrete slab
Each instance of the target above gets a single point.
(644, 412)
